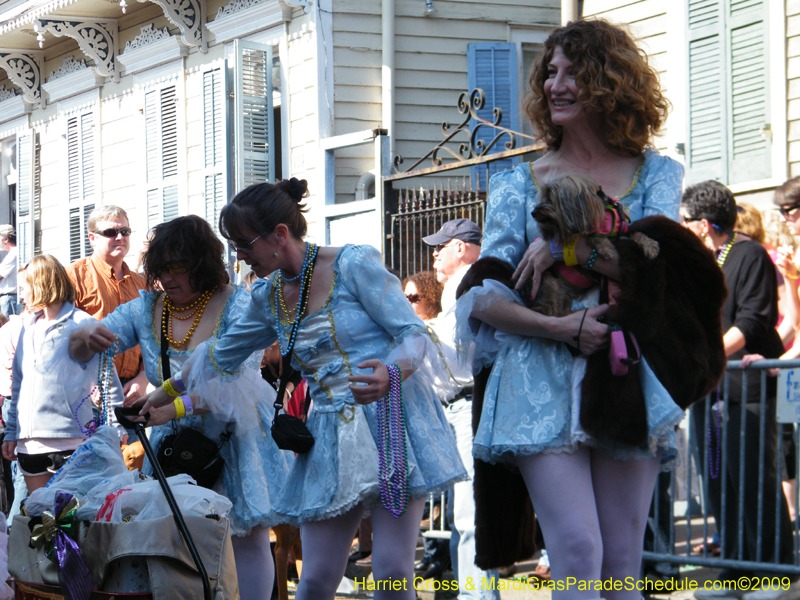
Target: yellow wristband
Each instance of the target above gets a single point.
(180, 408)
(167, 385)
(570, 258)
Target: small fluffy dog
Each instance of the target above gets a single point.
(570, 206)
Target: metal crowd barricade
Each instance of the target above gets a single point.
(439, 532)
(678, 535)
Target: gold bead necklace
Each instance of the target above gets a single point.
(199, 306)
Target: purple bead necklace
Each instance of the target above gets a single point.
(105, 374)
(716, 416)
(392, 448)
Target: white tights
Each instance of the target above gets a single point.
(592, 511)
(254, 565)
(326, 546)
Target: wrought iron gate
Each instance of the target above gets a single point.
(412, 213)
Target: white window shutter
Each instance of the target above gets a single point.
(26, 147)
(161, 152)
(214, 144)
(706, 154)
(80, 181)
(254, 137)
(728, 92)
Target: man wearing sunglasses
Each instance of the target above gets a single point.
(455, 247)
(103, 281)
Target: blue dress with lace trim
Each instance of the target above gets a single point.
(366, 316)
(254, 467)
(532, 399)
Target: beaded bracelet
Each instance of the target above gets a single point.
(592, 257)
(392, 449)
(570, 259)
(169, 389)
(187, 403)
(180, 409)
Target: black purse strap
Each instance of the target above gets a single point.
(286, 361)
(165, 370)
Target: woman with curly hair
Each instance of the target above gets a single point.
(424, 292)
(597, 104)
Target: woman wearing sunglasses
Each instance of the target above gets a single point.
(357, 339)
(192, 301)
(424, 292)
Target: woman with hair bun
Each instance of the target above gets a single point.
(381, 440)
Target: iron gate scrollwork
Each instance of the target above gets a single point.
(418, 211)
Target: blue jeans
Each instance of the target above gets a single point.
(462, 541)
(8, 305)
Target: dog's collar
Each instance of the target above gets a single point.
(573, 276)
(616, 220)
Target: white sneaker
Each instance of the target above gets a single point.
(793, 593)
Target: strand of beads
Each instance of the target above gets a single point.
(723, 255)
(308, 272)
(392, 448)
(310, 249)
(198, 306)
(105, 375)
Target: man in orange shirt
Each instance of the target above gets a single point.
(103, 281)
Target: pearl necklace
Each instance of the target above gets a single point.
(307, 272)
(199, 306)
(723, 255)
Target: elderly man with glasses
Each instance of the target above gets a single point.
(103, 281)
(455, 247)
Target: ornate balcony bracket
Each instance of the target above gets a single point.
(24, 69)
(189, 16)
(468, 105)
(97, 39)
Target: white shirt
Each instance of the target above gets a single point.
(8, 271)
(444, 326)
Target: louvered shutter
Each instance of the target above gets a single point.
(492, 67)
(214, 144)
(253, 114)
(728, 83)
(750, 150)
(161, 154)
(80, 181)
(25, 196)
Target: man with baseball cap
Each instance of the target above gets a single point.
(455, 247)
(8, 271)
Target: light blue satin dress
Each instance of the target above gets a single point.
(532, 400)
(366, 316)
(255, 469)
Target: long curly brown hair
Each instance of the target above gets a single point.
(429, 290)
(614, 79)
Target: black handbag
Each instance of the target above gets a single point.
(289, 432)
(188, 450)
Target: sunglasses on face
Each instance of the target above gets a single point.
(173, 268)
(413, 298)
(439, 247)
(113, 232)
(243, 247)
(789, 211)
